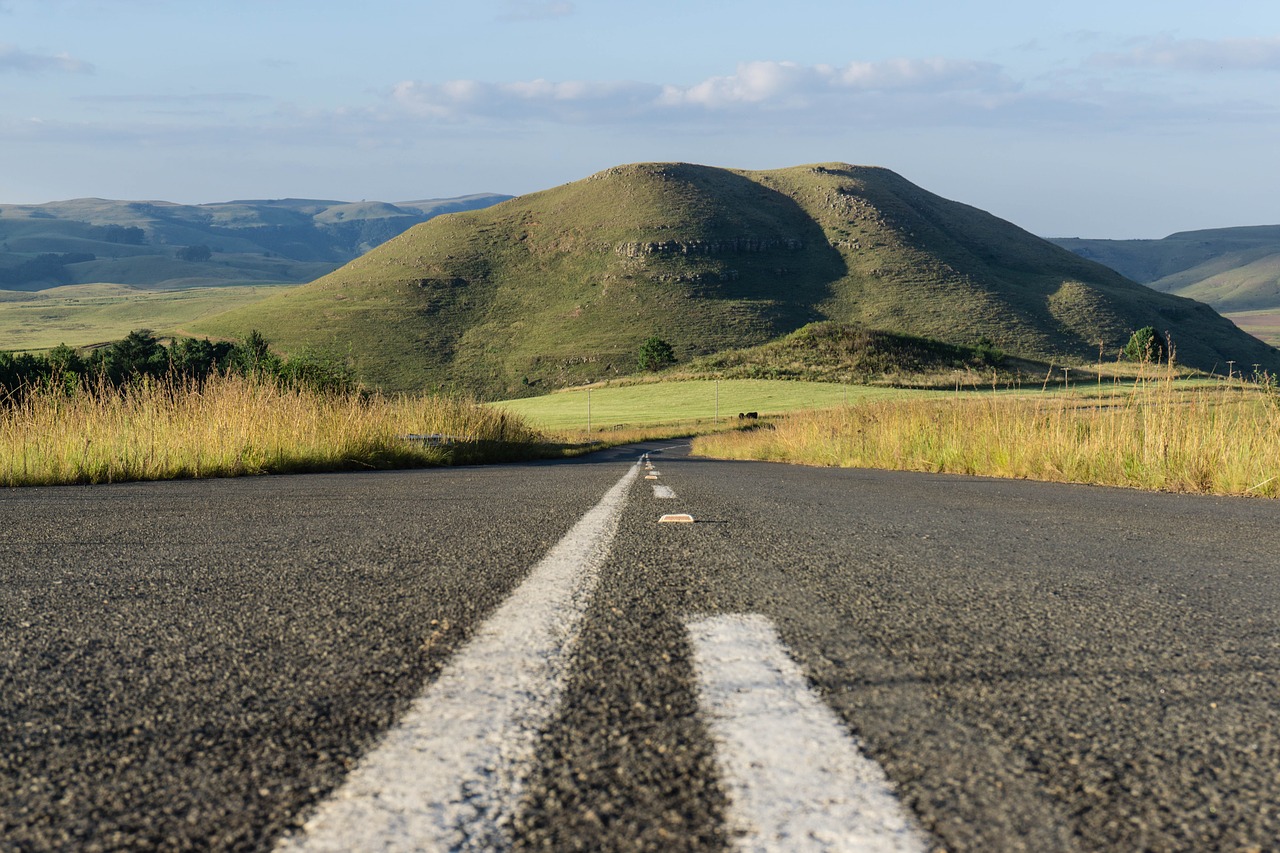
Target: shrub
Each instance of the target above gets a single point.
(1147, 346)
(655, 354)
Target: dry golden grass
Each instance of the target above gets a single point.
(235, 425)
(1152, 434)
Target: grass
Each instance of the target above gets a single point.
(1262, 324)
(1156, 433)
(234, 426)
(1151, 431)
(689, 405)
(85, 315)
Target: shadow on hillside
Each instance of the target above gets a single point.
(759, 248)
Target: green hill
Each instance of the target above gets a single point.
(560, 287)
(1231, 269)
(160, 245)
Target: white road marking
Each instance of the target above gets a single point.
(796, 778)
(663, 491)
(450, 774)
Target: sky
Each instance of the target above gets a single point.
(1116, 119)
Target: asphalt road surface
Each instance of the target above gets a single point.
(524, 657)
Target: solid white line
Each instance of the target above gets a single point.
(450, 774)
(663, 492)
(796, 778)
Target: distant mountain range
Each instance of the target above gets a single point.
(560, 287)
(161, 245)
(1232, 269)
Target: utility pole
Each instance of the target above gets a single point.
(588, 410)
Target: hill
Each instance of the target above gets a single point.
(560, 287)
(1231, 269)
(160, 245)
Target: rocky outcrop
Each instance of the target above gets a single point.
(737, 246)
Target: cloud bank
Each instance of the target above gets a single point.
(15, 60)
(771, 84)
(1199, 55)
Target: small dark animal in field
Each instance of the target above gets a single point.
(742, 416)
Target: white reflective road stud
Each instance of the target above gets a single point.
(796, 779)
(676, 518)
(449, 775)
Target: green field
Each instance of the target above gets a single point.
(700, 403)
(1264, 325)
(84, 315)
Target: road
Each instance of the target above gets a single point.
(1018, 666)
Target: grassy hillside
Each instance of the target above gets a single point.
(560, 287)
(847, 353)
(162, 245)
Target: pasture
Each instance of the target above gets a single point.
(89, 314)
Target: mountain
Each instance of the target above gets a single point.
(561, 286)
(1231, 269)
(162, 246)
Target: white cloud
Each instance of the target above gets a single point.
(1239, 54)
(190, 99)
(771, 84)
(783, 83)
(566, 101)
(17, 60)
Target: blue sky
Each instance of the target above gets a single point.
(1118, 119)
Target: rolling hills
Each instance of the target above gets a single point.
(1231, 269)
(161, 245)
(560, 287)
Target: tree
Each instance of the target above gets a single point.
(195, 253)
(65, 360)
(253, 356)
(655, 354)
(197, 359)
(129, 235)
(138, 354)
(1147, 346)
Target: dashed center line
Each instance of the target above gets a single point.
(450, 774)
(796, 778)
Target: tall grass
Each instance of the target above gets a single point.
(234, 425)
(1152, 434)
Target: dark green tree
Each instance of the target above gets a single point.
(197, 359)
(253, 355)
(20, 371)
(66, 360)
(138, 354)
(195, 253)
(655, 354)
(1146, 345)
